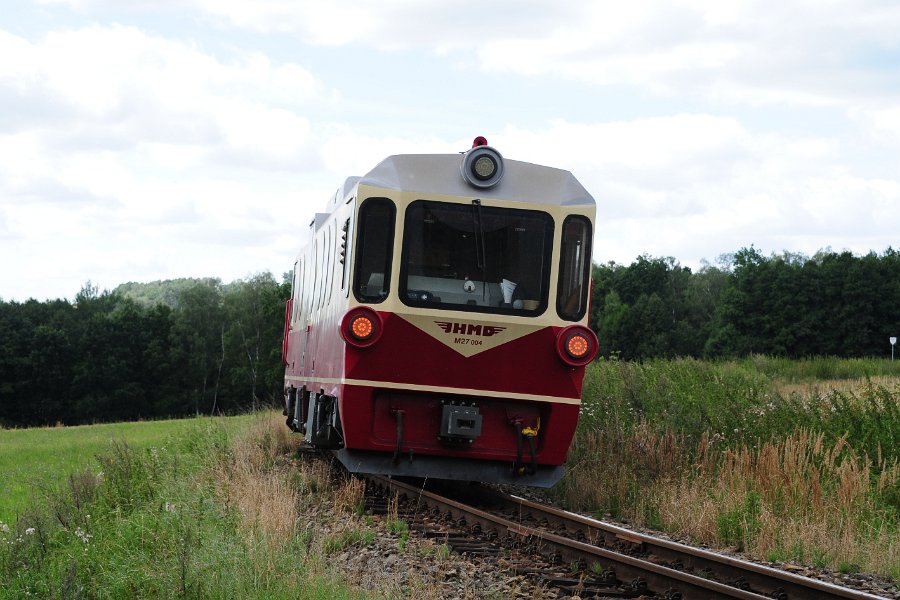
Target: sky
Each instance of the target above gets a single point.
(158, 139)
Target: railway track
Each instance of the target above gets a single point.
(598, 559)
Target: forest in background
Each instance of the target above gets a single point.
(142, 351)
(787, 305)
(198, 346)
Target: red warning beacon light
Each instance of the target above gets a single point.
(479, 141)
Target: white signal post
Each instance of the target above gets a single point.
(893, 341)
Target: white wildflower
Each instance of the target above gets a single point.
(170, 507)
(29, 531)
(4, 528)
(83, 535)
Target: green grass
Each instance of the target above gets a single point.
(796, 459)
(161, 521)
(821, 367)
(35, 461)
(740, 401)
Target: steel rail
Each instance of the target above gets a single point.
(767, 583)
(657, 577)
(773, 583)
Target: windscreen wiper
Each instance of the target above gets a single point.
(480, 258)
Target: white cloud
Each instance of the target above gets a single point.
(695, 186)
(129, 105)
(882, 125)
(120, 76)
(700, 126)
(136, 143)
(793, 53)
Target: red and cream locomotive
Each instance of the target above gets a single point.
(438, 319)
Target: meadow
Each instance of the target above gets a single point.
(207, 508)
(36, 461)
(784, 460)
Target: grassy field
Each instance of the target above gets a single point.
(786, 460)
(33, 462)
(206, 509)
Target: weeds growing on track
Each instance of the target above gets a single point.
(719, 453)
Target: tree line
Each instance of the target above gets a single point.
(791, 305)
(199, 346)
(142, 351)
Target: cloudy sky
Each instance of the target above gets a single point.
(155, 139)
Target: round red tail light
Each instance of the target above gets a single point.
(361, 327)
(577, 345)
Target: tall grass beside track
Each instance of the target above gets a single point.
(786, 460)
(213, 513)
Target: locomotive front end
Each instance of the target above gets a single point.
(464, 339)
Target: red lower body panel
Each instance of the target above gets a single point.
(370, 421)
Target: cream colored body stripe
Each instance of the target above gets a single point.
(434, 388)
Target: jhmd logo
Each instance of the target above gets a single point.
(470, 337)
(469, 329)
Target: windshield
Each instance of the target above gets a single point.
(476, 258)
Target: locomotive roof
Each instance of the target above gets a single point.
(440, 174)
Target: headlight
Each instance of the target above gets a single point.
(482, 166)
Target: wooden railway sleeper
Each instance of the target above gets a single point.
(638, 584)
(779, 594)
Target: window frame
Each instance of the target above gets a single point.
(346, 245)
(546, 275)
(296, 290)
(585, 271)
(359, 244)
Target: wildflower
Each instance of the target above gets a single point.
(170, 507)
(29, 531)
(4, 528)
(83, 535)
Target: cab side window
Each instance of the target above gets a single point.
(574, 268)
(374, 250)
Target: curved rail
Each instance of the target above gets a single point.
(773, 583)
(749, 581)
